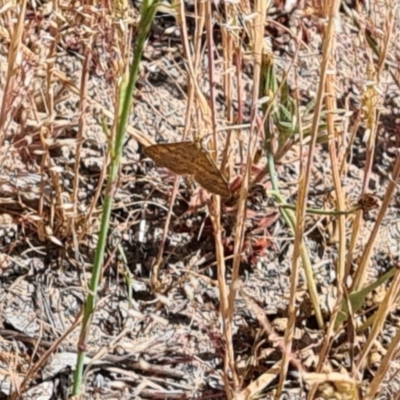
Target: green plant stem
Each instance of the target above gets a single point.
(290, 219)
(322, 211)
(269, 86)
(357, 300)
(147, 12)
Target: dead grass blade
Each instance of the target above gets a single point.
(13, 66)
(328, 41)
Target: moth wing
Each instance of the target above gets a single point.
(209, 176)
(178, 157)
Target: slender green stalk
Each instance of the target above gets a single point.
(322, 211)
(290, 219)
(269, 87)
(357, 300)
(147, 12)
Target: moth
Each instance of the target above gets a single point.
(188, 158)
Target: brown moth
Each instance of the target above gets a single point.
(187, 158)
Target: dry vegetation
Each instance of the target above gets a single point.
(287, 289)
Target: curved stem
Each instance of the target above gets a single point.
(322, 211)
